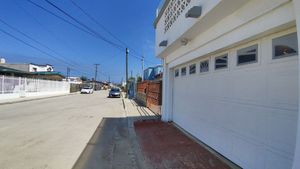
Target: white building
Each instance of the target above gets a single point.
(40, 68)
(231, 76)
(2, 61)
(74, 80)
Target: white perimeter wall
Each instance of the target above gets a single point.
(15, 87)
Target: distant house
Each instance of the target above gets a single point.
(74, 80)
(31, 67)
(231, 76)
(47, 75)
(30, 70)
(151, 73)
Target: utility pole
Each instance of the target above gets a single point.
(68, 73)
(142, 68)
(127, 51)
(131, 74)
(96, 72)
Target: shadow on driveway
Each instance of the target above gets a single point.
(113, 145)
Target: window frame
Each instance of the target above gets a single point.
(195, 70)
(176, 73)
(284, 56)
(227, 63)
(206, 60)
(185, 71)
(245, 48)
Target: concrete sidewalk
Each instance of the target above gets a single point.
(137, 112)
(114, 144)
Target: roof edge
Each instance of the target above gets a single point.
(161, 13)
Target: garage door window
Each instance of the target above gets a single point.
(192, 69)
(176, 73)
(221, 62)
(247, 55)
(204, 66)
(285, 46)
(183, 71)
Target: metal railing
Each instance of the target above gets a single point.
(11, 85)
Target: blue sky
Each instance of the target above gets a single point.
(131, 21)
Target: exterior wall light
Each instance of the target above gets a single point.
(194, 12)
(163, 43)
(184, 41)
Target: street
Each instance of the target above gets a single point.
(52, 133)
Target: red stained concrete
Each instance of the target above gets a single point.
(166, 147)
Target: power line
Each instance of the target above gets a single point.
(54, 36)
(88, 31)
(97, 22)
(83, 72)
(36, 41)
(109, 32)
(34, 47)
(61, 18)
(83, 25)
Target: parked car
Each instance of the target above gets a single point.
(114, 92)
(87, 90)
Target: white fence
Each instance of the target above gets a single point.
(16, 87)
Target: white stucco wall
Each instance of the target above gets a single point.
(255, 19)
(249, 114)
(296, 164)
(16, 87)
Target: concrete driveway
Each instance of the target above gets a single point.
(52, 133)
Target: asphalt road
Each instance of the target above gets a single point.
(52, 133)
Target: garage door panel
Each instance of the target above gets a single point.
(242, 113)
(248, 85)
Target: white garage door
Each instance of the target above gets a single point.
(247, 112)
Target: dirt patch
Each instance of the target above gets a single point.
(165, 146)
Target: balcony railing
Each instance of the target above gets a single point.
(170, 10)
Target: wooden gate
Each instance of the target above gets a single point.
(150, 94)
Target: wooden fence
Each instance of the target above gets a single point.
(149, 93)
